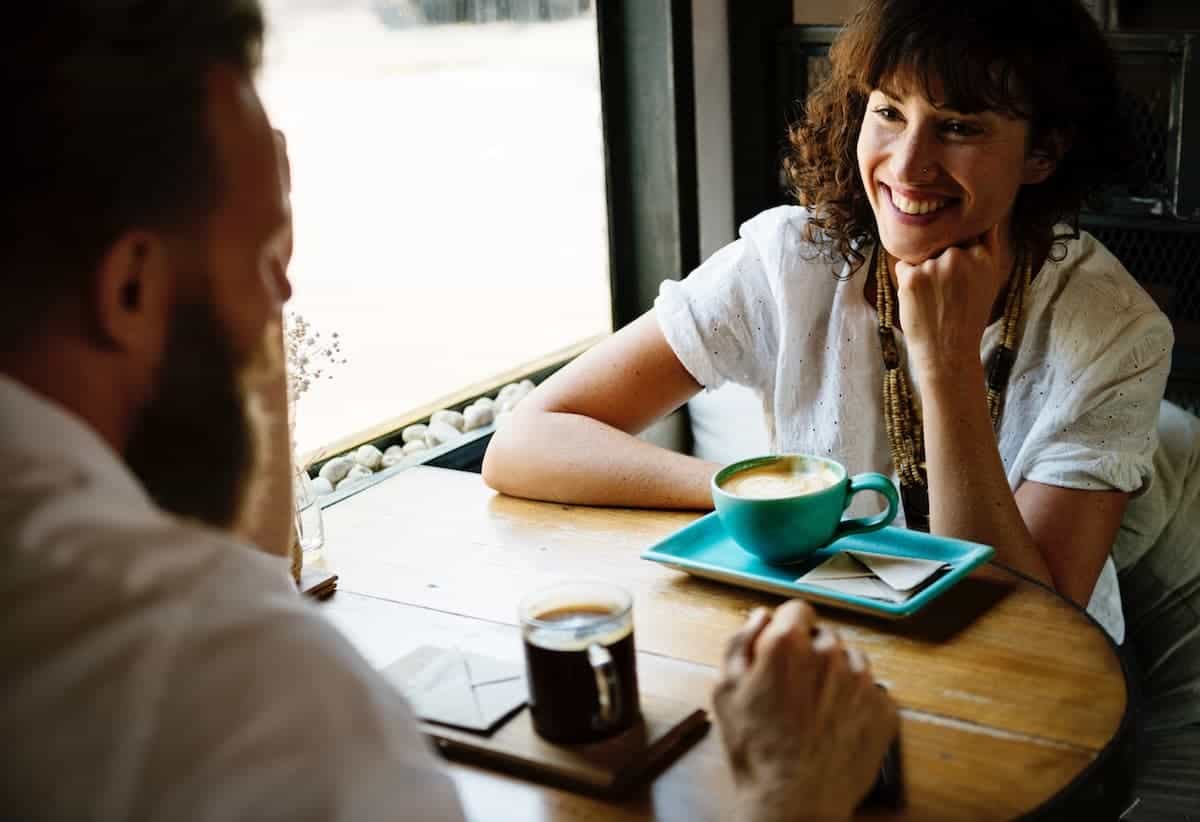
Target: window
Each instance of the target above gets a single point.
(448, 189)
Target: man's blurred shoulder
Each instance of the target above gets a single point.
(174, 672)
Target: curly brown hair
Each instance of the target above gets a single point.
(1044, 61)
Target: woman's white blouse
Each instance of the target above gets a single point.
(772, 313)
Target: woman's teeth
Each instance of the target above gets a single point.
(916, 206)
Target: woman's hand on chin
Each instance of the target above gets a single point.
(946, 303)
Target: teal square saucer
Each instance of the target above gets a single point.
(704, 549)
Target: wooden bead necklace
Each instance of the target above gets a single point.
(902, 418)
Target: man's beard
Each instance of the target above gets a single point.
(194, 447)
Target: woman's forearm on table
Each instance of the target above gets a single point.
(576, 459)
(969, 494)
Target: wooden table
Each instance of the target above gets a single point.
(1010, 695)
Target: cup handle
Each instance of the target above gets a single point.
(607, 686)
(869, 482)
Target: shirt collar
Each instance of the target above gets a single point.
(32, 426)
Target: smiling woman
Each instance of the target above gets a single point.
(930, 311)
(956, 159)
(982, 87)
(952, 174)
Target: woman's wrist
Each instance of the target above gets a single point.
(948, 373)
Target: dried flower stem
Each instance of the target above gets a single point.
(310, 357)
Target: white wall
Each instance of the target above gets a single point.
(714, 160)
(727, 424)
(714, 126)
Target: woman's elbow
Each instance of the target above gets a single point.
(502, 465)
(495, 468)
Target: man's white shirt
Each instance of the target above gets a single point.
(154, 668)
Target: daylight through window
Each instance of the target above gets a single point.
(448, 188)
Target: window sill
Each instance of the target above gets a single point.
(464, 453)
(388, 432)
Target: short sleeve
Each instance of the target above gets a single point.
(722, 320)
(1099, 430)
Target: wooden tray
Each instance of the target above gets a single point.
(318, 583)
(609, 768)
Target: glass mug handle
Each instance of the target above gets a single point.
(607, 686)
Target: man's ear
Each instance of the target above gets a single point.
(1045, 156)
(131, 293)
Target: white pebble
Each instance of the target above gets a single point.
(513, 394)
(527, 386)
(478, 416)
(483, 402)
(451, 418)
(357, 474)
(360, 472)
(415, 446)
(369, 457)
(336, 469)
(393, 456)
(502, 419)
(507, 406)
(413, 433)
(322, 487)
(440, 433)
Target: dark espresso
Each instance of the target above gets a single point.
(564, 697)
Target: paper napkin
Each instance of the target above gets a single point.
(875, 576)
(463, 690)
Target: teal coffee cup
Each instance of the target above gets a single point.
(782, 508)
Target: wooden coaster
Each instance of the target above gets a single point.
(609, 768)
(318, 583)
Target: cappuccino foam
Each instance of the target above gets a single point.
(776, 481)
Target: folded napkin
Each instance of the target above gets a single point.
(875, 576)
(463, 690)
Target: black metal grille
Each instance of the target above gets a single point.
(1166, 262)
(1147, 99)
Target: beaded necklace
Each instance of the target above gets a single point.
(902, 419)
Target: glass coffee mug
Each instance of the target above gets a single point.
(580, 661)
